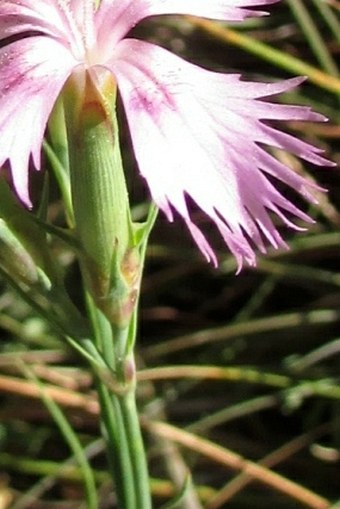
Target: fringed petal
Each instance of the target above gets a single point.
(24, 16)
(32, 74)
(115, 18)
(192, 138)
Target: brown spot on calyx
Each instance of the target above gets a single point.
(90, 96)
(94, 109)
(130, 267)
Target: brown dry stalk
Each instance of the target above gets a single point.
(274, 458)
(236, 462)
(62, 396)
(214, 373)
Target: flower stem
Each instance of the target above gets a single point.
(119, 415)
(109, 257)
(136, 449)
(117, 448)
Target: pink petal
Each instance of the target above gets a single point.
(31, 15)
(225, 10)
(115, 18)
(32, 74)
(202, 133)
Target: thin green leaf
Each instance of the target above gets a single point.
(70, 438)
(177, 501)
(63, 178)
(329, 16)
(313, 37)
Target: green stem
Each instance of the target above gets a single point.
(119, 415)
(117, 448)
(136, 450)
(109, 260)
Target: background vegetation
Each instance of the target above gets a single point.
(239, 375)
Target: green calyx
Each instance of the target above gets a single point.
(101, 208)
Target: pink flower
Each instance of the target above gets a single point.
(195, 133)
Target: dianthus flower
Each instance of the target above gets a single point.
(195, 133)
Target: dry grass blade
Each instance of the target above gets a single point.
(236, 462)
(61, 396)
(278, 456)
(251, 327)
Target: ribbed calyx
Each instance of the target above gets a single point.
(100, 199)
